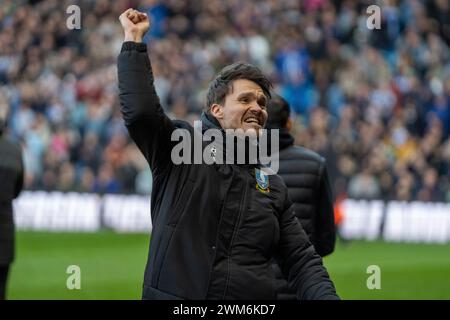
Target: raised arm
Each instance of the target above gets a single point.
(144, 117)
(300, 263)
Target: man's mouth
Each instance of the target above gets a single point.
(253, 120)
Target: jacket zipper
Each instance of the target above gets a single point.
(217, 236)
(236, 228)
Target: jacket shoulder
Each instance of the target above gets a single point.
(301, 168)
(181, 124)
(184, 125)
(301, 153)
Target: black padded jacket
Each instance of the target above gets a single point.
(305, 174)
(214, 233)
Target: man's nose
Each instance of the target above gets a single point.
(255, 107)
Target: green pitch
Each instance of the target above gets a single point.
(112, 267)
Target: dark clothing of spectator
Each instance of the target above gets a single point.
(11, 178)
(306, 177)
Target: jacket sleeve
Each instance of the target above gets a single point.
(300, 263)
(325, 229)
(148, 125)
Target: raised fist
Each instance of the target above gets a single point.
(135, 24)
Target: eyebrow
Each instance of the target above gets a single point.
(260, 99)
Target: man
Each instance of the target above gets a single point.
(305, 174)
(11, 177)
(216, 227)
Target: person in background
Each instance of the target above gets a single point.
(305, 174)
(11, 178)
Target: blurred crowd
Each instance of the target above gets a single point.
(375, 103)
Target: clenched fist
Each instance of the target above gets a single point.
(135, 24)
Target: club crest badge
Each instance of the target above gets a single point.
(213, 153)
(262, 181)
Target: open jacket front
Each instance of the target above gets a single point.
(214, 232)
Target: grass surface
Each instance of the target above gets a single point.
(112, 267)
(408, 271)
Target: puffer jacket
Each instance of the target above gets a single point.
(306, 176)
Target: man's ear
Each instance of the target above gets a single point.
(288, 125)
(217, 111)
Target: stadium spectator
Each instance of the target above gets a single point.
(390, 86)
(11, 173)
(306, 176)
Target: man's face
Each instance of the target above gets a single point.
(244, 107)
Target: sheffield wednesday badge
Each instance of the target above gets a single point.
(262, 181)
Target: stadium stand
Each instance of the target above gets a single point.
(375, 103)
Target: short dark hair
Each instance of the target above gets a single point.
(221, 85)
(278, 112)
